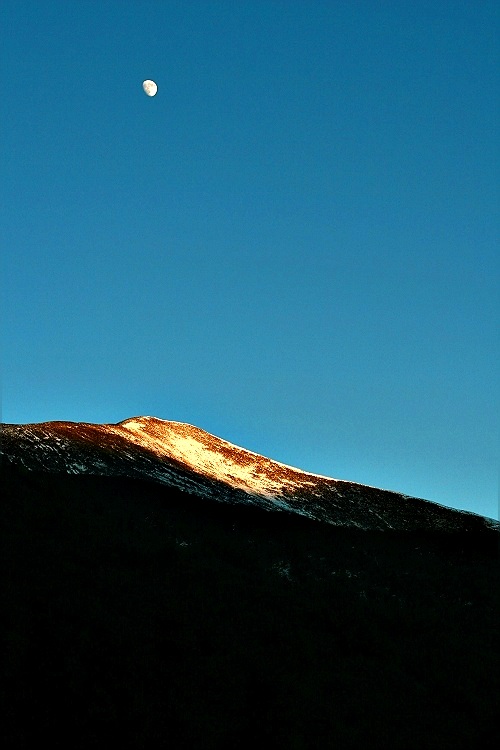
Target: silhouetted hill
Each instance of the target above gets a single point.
(142, 616)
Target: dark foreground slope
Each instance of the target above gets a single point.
(138, 616)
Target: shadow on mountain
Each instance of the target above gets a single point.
(137, 615)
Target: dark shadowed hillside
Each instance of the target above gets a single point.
(136, 615)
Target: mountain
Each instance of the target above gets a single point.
(165, 588)
(190, 459)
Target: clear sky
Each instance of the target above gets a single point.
(294, 245)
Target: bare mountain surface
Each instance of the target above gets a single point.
(188, 458)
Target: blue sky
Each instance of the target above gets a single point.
(294, 245)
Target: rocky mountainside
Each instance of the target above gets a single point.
(190, 459)
(138, 612)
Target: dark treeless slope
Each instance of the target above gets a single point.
(137, 611)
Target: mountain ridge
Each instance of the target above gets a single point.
(189, 458)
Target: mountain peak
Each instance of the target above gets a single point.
(193, 460)
(217, 458)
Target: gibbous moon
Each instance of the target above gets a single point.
(150, 88)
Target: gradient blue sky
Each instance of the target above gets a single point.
(293, 245)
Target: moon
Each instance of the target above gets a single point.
(150, 88)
